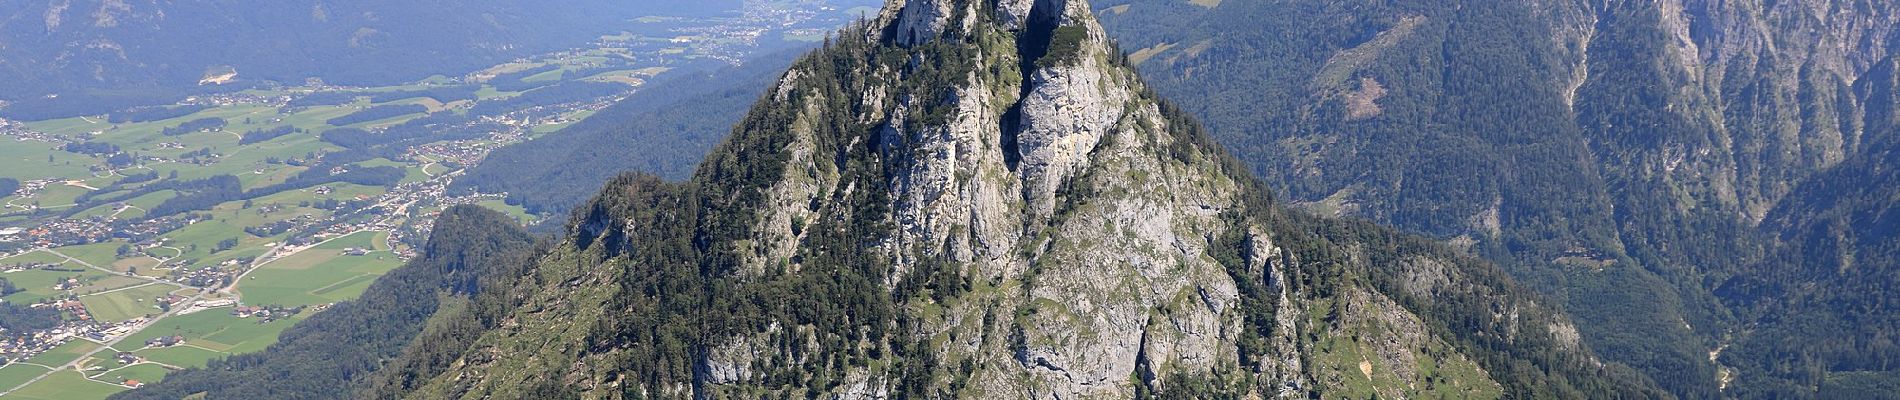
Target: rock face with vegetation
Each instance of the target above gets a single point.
(1643, 162)
(981, 199)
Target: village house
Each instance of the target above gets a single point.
(249, 311)
(165, 341)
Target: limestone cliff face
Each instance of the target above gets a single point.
(1769, 86)
(1003, 210)
(1611, 152)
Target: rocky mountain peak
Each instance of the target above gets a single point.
(917, 21)
(969, 199)
(1069, 94)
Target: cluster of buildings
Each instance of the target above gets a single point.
(126, 357)
(168, 301)
(267, 313)
(21, 347)
(96, 229)
(732, 39)
(21, 132)
(72, 306)
(69, 284)
(204, 277)
(165, 341)
(26, 266)
(30, 188)
(67, 232)
(24, 345)
(236, 98)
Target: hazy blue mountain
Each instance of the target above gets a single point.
(67, 57)
(664, 129)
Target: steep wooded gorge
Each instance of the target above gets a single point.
(978, 199)
(1706, 185)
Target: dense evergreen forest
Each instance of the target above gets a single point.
(262, 135)
(210, 124)
(15, 318)
(1825, 304)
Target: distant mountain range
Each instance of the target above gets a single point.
(69, 57)
(664, 129)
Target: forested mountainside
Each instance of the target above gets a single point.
(470, 259)
(1825, 310)
(972, 199)
(1701, 183)
(61, 58)
(664, 129)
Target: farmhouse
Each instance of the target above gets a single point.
(165, 341)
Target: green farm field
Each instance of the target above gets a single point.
(146, 372)
(14, 375)
(66, 385)
(319, 275)
(64, 353)
(216, 330)
(182, 356)
(28, 160)
(126, 303)
(37, 284)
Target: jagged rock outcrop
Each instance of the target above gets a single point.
(982, 200)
